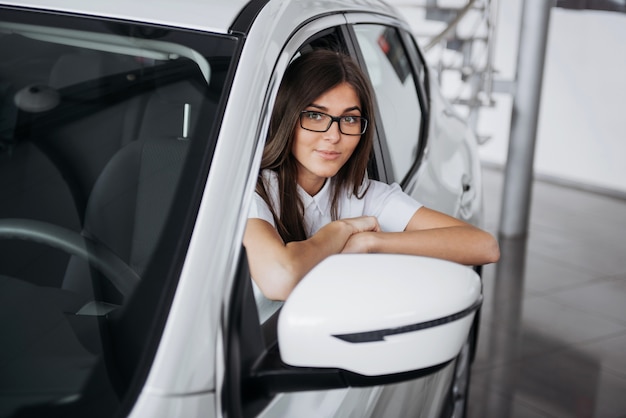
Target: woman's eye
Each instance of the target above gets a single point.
(350, 119)
(314, 116)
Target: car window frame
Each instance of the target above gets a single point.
(423, 76)
(420, 76)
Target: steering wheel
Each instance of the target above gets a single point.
(107, 262)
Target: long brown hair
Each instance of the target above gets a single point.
(307, 78)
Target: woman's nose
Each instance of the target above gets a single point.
(333, 134)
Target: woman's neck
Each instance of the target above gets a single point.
(312, 187)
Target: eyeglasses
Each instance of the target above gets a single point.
(320, 122)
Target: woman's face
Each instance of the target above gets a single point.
(320, 155)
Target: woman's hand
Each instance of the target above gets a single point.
(361, 240)
(362, 224)
(278, 267)
(359, 243)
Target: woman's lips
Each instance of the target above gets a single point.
(328, 155)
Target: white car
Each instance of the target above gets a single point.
(130, 142)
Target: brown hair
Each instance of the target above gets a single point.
(307, 78)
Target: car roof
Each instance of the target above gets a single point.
(206, 15)
(196, 14)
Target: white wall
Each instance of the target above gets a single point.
(581, 136)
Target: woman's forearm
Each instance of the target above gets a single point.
(301, 256)
(277, 267)
(462, 244)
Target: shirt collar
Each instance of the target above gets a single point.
(321, 199)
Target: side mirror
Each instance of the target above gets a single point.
(368, 319)
(379, 314)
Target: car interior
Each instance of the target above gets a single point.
(94, 138)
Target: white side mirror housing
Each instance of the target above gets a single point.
(379, 314)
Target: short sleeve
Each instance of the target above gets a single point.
(260, 210)
(393, 208)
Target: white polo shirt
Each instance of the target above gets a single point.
(388, 203)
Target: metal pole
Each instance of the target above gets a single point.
(519, 167)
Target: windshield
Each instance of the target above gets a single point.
(104, 138)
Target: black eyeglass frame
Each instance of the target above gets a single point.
(337, 119)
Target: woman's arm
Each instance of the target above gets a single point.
(277, 267)
(433, 234)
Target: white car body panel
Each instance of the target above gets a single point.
(448, 165)
(210, 16)
(190, 405)
(192, 14)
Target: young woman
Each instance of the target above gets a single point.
(313, 198)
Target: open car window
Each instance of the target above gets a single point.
(329, 39)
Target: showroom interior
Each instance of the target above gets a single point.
(543, 85)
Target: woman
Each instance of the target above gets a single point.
(313, 197)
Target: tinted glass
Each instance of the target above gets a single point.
(391, 74)
(96, 128)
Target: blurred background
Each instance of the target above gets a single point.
(581, 134)
(552, 340)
